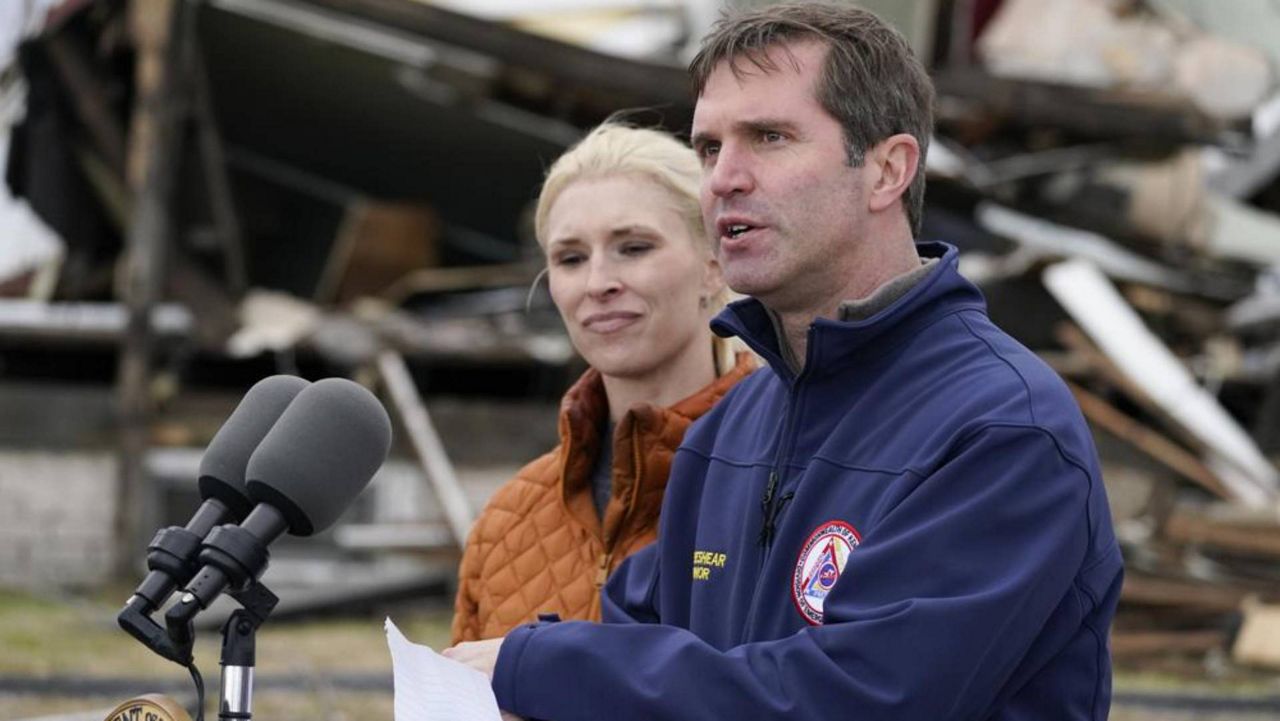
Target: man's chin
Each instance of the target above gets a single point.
(749, 284)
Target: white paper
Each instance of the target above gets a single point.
(430, 687)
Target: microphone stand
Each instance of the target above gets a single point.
(238, 651)
(238, 642)
(235, 557)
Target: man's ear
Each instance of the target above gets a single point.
(893, 163)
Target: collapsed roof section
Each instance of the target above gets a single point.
(400, 100)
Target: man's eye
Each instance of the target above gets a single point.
(708, 150)
(771, 136)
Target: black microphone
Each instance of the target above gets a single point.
(172, 554)
(312, 464)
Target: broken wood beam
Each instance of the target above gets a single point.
(1191, 595)
(1258, 536)
(1151, 443)
(426, 444)
(1108, 114)
(1075, 340)
(1091, 299)
(1126, 644)
(89, 101)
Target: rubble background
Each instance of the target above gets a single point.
(201, 194)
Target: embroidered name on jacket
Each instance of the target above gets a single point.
(822, 559)
(704, 561)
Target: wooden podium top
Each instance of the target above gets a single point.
(151, 707)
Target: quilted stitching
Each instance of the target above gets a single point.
(527, 553)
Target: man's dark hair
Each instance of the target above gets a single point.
(871, 81)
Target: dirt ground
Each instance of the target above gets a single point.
(62, 658)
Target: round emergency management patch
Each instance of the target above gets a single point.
(822, 560)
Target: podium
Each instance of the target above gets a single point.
(151, 707)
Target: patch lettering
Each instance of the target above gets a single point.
(822, 559)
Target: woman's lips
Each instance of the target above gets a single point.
(609, 322)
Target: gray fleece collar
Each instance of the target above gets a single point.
(851, 311)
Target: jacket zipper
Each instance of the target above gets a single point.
(770, 504)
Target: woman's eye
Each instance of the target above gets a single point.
(636, 248)
(568, 259)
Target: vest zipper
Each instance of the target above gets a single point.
(606, 558)
(602, 572)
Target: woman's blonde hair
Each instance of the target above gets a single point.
(615, 148)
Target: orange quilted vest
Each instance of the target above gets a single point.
(538, 546)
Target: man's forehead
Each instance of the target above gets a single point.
(789, 57)
(734, 74)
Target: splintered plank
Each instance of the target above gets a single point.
(1191, 595)
(1257, 535)
(1127, 644)
(1148, 441)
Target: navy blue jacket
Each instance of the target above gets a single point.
(914, 528)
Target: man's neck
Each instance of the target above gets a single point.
(794, 323)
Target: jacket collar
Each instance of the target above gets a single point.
(833, 343)
(583, 414)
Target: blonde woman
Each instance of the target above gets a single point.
(634, 278)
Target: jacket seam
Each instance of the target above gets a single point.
(1084, 588)
(716, 457)
(960, 441)
(1103, 555)
(1026, 387)
(1062, 453)
(1100, 652)
(867, 469)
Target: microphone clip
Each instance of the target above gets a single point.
(234, 559)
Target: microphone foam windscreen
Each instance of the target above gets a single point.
(222, 468)
(321, 454)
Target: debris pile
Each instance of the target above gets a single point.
(1110, 170)
(1114, 181)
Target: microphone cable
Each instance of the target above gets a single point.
(199, 682)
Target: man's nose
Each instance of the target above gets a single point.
(731, 173)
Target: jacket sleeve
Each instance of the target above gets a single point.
(630, 596)
(466, 606)
(943, 599)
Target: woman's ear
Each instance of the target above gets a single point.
(712, 279)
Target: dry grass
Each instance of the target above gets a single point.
(77, 638)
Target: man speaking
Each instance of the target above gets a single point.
(902, 518)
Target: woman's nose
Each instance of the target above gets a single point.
(602, 279)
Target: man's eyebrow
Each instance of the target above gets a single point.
(758, 125)
(700, 138)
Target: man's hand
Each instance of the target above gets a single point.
(480, 655)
